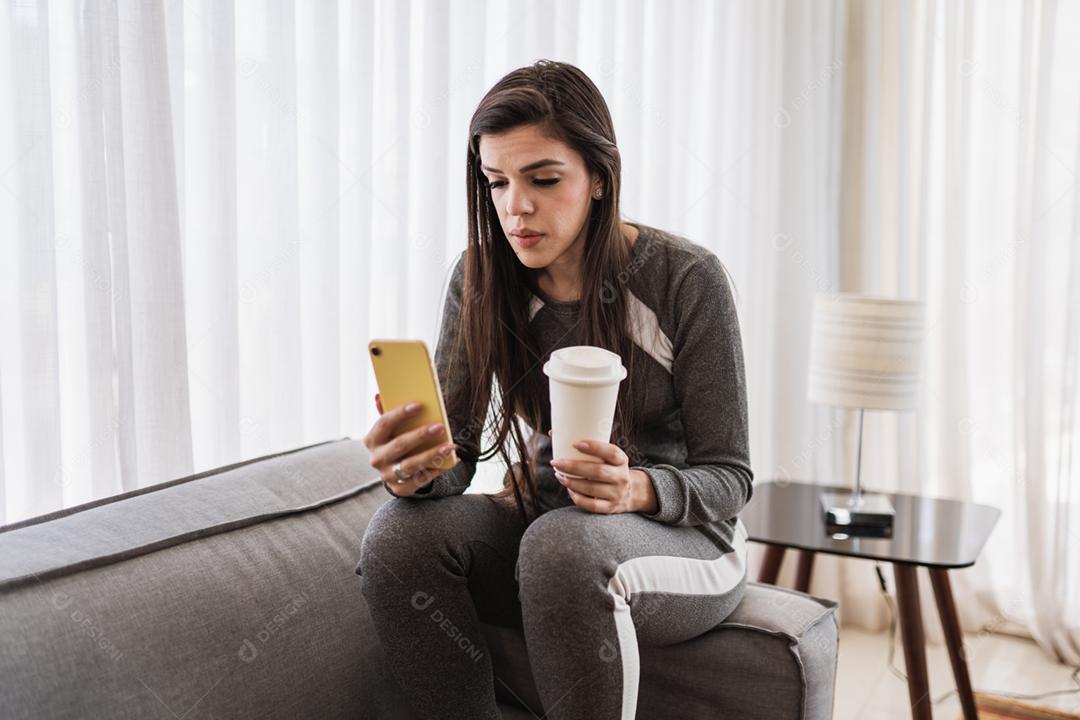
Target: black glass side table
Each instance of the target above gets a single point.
(937, 534)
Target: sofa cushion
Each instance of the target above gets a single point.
(773, 657)
(230, 594)
(179, 511)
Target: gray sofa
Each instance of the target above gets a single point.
(232, 594)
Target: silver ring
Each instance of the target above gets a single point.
(401, 477)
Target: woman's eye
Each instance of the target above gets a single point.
(544, 183)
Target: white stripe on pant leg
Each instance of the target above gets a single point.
(628, 651)
(663, 573)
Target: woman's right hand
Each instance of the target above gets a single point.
(388, 446)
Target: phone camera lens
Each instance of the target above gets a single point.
(376, 351)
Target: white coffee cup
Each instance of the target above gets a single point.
(584, 388)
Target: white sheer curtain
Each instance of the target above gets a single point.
(209, 207)
(959, 186)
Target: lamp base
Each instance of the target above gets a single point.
(874, 513)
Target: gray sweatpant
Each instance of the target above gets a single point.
(586, 589)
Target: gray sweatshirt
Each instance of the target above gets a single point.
(688, 382)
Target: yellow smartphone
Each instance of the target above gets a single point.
(405, 373)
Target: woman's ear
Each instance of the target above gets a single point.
(596, 184)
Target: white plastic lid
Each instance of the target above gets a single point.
(585, 365)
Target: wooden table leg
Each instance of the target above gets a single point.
(804, 570)
(770, 565)
(911, 630)
(954, 640)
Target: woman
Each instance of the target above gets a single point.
(646, 548)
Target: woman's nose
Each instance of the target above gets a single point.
(518, 201)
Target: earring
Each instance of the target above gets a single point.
(598, 193)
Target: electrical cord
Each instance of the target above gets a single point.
(892, 622)
(893, 619)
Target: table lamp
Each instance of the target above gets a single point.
(865, 353)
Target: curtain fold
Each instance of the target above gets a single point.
(208, 207)
(148, 254)
(33, 359)
(211, 259)
(97, 64)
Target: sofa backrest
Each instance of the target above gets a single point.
(231, 593)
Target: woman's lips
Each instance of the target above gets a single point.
(528, 241)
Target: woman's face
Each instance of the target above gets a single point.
(538, 185)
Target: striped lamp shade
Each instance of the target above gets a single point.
(865, 352)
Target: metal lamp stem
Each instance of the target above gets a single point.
(856, 497)
(855, 513)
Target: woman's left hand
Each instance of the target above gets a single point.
(608, 486)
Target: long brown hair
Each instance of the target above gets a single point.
(505, 363)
